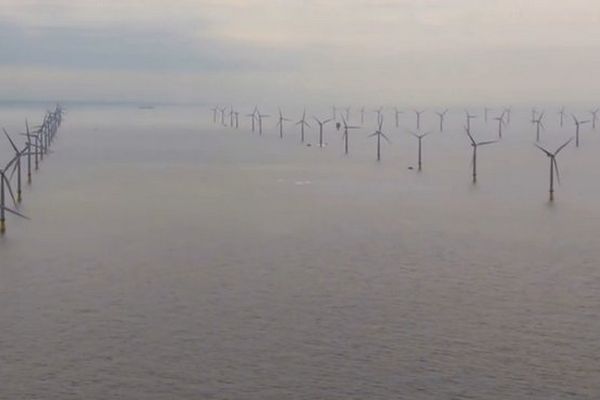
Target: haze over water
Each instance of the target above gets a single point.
(169, 257)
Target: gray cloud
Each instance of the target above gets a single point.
(348, 51)
(131, 48)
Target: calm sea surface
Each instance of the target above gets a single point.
(171, 258)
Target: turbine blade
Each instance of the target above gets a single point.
(543, 149)
(563, 146)
(18, 214)
(10, 191)
(14, 168)
(10, 140)
(470, 137)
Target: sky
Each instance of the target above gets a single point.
(383, 52)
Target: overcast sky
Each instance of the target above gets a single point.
(295, 51)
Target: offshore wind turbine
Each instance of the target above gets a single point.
(38, 145)
(397, 116)
(321, 123)
(486, 111)
(302, 124)
(379, 133)
(539, 125)
(282, 119)
(420, 139)
(222, 111)
(442, 116)
(333, 113)
(379, 112)
(253, 117)
(469, 117)
(347, 109)
(346, 134)
(231, 116)
(501, 123)
(29, 147)
(508, 111)
(475, 145)
(533, 115)
(41, 138)
(215, 109)
(16, 162)
(418, 116)
(260, 117)
(594, 117)
(362, 115)
(553, 165)
(562, 114)
(578, 124)
(5, 187)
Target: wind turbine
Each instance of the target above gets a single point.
(486, 111)
(222, 111)
(215, 109)
(475, 145)
(469, 117)
(333, 113)
(533, 115)
(37, 145)
(594, 117)
(379, 135)
(539, 125)
(397, 116)
(282, 119)
(508, 111)
(302, 124)
(442, 116)
(231, 116)
(347, 109)
(553, 165)
(321, 123)
(578, 124)
(40, 139)
(346, 135)
(260, 118)
(562, 116)
(5, 187)
(253, 116)
(29, 147)
(420, 138)
(501, 123)
(17, 165)
(362, 115)
(418, 115)
(378, 112)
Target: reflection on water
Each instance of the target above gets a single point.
(169, 258)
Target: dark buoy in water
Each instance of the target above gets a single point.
(411, 168)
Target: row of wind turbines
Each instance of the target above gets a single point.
(341, 117)
(38, 140)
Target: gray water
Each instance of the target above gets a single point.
(169, 258)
